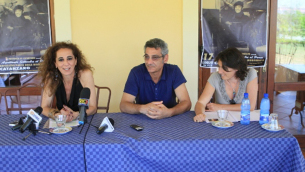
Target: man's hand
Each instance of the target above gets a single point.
(153, 106)
(155, 110)
(158, 113)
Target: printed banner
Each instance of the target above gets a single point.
(25, 33)
(231, 23)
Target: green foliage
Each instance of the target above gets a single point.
(291, 27)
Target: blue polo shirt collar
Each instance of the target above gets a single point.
(148, 77)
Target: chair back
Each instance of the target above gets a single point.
(30, 90)
(99, 92)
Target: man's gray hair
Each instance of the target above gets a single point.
(157, 43)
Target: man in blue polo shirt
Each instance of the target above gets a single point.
(152, 87)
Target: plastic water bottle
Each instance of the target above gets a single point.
(265, 110)
(245, 110)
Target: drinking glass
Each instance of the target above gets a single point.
(222, 117)
(273, 121)
(61, 120)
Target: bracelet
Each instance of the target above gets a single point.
(52, 112)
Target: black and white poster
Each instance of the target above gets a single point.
(25, 33)
(234, 23)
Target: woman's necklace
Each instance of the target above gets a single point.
(234, 92)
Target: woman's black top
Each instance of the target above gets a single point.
(61, 98)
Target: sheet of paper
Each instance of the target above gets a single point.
(212, 116)
(254, 115)
(52, 123)
(233, 116)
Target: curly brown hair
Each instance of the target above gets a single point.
(47, 67)
(234, 59)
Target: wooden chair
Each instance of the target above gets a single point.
(106, 107)
(29, 90)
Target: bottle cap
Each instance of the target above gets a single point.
(246, 95)
(266, 95)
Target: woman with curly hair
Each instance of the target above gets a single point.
(65, 73)
(232, 80)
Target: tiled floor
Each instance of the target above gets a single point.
(283, 103)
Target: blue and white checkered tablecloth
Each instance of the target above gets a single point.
(41, 152)
(179, 144)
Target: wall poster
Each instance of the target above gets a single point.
(25, 33)
(234, 23)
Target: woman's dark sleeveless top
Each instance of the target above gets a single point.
(61, 98)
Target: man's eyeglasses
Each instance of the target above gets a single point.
(154, 57)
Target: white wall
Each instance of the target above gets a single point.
(190, 48)
(63, 30)
(62, 17)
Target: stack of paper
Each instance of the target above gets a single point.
(233, 116)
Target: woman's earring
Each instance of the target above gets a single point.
(56, 74)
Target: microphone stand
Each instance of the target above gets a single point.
(85, 122)
(32, 129)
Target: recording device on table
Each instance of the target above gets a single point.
(33, 116)
(17, 124)
(30, 122)
(136, 127)
(106, 126)
(83, 104)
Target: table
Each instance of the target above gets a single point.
(172, 144)
(290, 73)
(41, 152)
(179, 144)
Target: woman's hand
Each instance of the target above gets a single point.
(211, 107)
(199, 118)
(71, 115)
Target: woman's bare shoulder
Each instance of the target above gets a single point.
(83, 74)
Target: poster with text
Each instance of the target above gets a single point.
(234, 23)
(25, 34)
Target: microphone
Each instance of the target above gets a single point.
(19, 124)
(106, 125)
(83, 104)
(33, 115)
